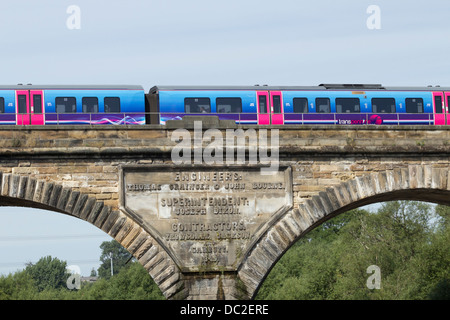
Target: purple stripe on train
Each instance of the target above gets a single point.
(8, 119)
(94, 119)
(322, 118)
(359, 119)
(242, 118)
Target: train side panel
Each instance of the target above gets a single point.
(7, 107)
(94, 107)
(366, 107)
(232, 105)
(322, 107)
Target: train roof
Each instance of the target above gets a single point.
(70, 87)
(320, 87)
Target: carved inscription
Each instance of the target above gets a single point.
(206, 218)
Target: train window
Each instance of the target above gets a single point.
(347, 105)
(2, 105)
(197, 105)
(37, 103)
(112, 104)
(414, 105)
(276, 104)
(262, 104)
(300, 105)
(229, 105)
(90, 104)
(383, 105)
(22, 101)
(66, 105)
(438, 104)
(323, 105)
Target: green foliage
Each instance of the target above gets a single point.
(408, 241)
(47, 280)
(48, 273)
(441, 291)
(132, 283)
(119, 255)
(405, 239)
(17, 286)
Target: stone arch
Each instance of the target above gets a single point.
(25, 191)
(414, 182)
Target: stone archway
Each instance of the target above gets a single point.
(24, 191)
(414, 182)
(75, 170)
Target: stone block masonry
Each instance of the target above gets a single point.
(79, 171)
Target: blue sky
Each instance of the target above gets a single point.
(228, 42)
(198, 42)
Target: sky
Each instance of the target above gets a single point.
(203, 42)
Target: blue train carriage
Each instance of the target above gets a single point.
(324, 104)
(175, 102)
(363, 104)
(60, 105)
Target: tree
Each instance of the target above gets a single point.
(392, 240)
(444, 218)
(441, 291)
(17, 286)
(133, 282)
(405, 240)
(431, 263)
(93, 273)
(308, 270)
(48, 273)
(112, 250)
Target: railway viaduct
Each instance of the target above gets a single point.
(214, 231)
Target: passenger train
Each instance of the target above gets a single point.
(328, 104)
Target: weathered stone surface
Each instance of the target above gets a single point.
(206, 218)
(79, 171)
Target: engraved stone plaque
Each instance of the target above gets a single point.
(207, 218)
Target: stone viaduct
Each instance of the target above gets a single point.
(81, 171)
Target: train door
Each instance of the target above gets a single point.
(270, 107)
(277, 107)
(262, 100)
(447, 106)
(439, 109)
(29, 107)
